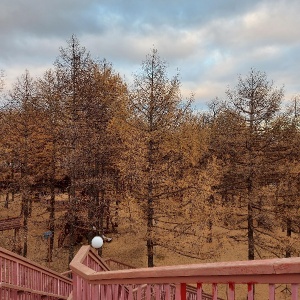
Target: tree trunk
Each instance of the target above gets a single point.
(25, 222)
(51, 219)
(150, 244)
(288, 252)
(250, 220)
(250, 232)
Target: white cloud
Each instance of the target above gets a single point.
(210, 42)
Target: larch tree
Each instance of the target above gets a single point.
(74, 66)
(158, 111)
(286, 199)
(251, 107)
(92, 99)
(49, 95)
(101, 152)
(21, 118)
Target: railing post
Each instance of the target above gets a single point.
(199, 291)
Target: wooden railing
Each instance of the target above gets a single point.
(22, 279)
(92, 280)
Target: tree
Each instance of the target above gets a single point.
(49, 95)
(20, 118)
(287, 188)
(158, 110)
(104, 112)
(93, 99)
(246, 144)
(74, 66)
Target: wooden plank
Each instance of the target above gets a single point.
(231, 291)
(271, 291)
(295, 291)
(199, 291)
(215, 291)
(183, 291)
(168, 292)
(250, 291)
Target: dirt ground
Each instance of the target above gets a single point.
(126, 247)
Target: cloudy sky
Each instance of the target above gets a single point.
(211, 42)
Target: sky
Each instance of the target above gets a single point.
(210, 42)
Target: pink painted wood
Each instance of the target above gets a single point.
(294, 291)
(20, 276)
(271, 291)
(250, 291)
(199, 291)
(173, 281)
(231, 291)
(214, 291)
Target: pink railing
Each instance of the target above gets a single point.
(22, 279)
(92, 280)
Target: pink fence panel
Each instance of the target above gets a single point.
(22, 279)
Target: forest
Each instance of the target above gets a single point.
(140, 154)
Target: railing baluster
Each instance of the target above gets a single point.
(231, 291)
(156, 292)
(148, 291)
(294, 291)
(180, 293)
(250, 291)
(199, 291)
(95, 291)
(115, 292)
(102, 292)
(139, 292)
(108, 292)
(130, 295)
(122, 292)
(215, 291)
(168, 291)
(177, 292)
(272, 291)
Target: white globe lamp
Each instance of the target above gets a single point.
(97, 242)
